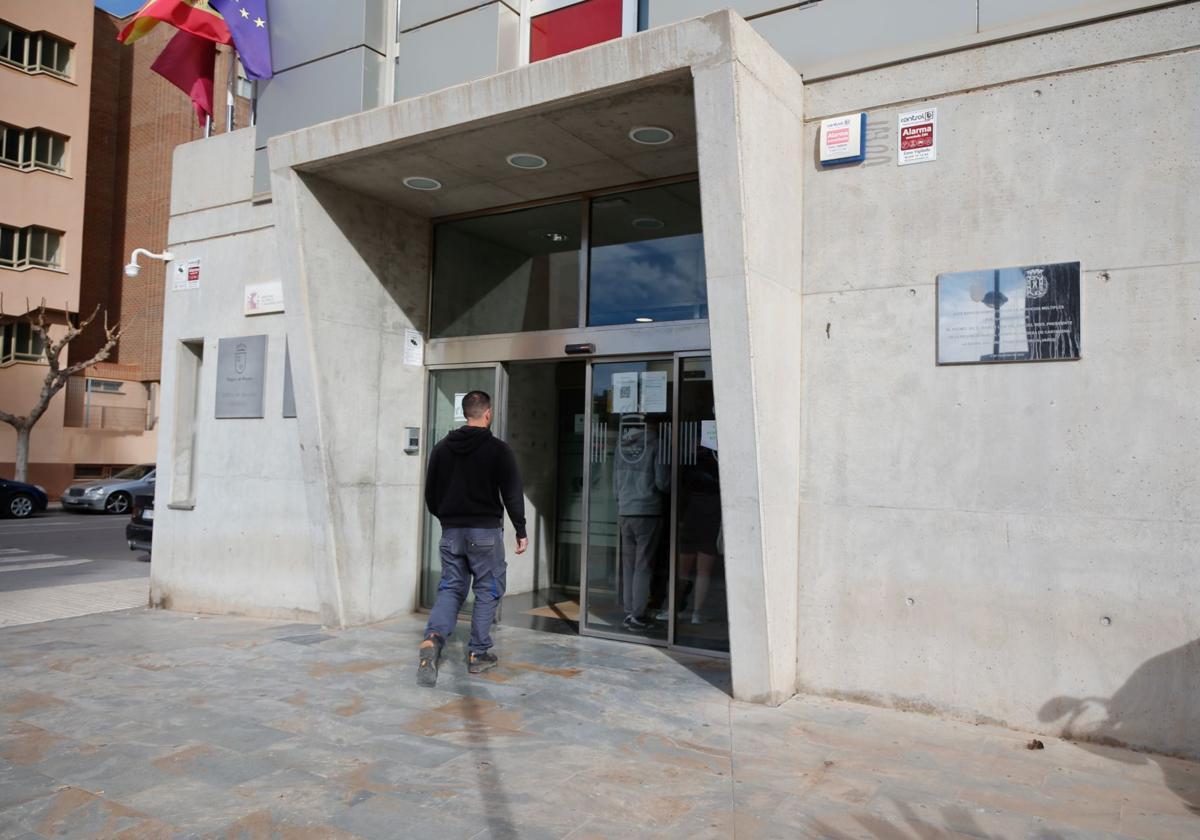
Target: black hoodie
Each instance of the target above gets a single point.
(470, 471)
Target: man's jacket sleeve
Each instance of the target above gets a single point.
(512, 492)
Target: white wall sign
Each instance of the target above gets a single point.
(414, 348)
(918, 137)
(843, 139)
(263, 298)
(458, 408)
(187, 275)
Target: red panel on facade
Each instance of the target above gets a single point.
(574, 28)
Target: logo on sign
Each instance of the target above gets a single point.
(1036, 283)
(239, 359)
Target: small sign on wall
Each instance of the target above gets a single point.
(918, 137)
(187, 276)
(1023, 314)
(843, 139)
(263, 298)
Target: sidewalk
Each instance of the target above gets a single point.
(146, 724)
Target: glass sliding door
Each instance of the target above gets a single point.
(447, 387)
(629, 495)
(701, 620)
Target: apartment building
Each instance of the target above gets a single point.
(830, 229)
(85, 177)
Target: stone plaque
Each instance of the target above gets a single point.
(1024, 314)
(241, 371)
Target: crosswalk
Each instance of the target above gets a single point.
(20, 560)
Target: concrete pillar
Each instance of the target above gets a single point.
(750, 147)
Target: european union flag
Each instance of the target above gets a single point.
(247, 22)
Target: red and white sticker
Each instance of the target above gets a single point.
(918, 137)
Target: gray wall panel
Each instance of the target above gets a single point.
(670, 11)
(341, 84)
(303, 30)
(812, 35)
(995, 13)
(455, 50)
(414, 13)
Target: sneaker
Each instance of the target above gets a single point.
(427, 666)
(477, 663)
(662, 615)
(634, 624)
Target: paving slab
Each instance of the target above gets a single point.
(143, 723)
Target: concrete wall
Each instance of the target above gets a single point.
(244, 547)
(1016, 506)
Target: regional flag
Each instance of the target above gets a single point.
(187, 62)
(247, 22)
(194, 16)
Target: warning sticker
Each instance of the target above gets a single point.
(918, 137)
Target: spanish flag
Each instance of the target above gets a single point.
(194, 16)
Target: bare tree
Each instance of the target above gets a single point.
(57, 376)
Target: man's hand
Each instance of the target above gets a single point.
(522, 544)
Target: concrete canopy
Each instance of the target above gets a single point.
(355, 258)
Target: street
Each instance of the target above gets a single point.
(58, 565)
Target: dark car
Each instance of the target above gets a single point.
(20, 499)
(140, 530)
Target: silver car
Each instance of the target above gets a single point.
(115, 494)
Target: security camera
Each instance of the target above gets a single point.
(132, 269)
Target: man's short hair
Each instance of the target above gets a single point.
(475, 403)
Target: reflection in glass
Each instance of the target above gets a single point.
(629, 502)
(647, 257)
(507, 272)
(701, 620)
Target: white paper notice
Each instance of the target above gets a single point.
(654, 391)
(918, 137)
(625, 392)
(579, 424)
(458, 411)
(263, 298)
(708, 434)
(187, 275)
(414, 348)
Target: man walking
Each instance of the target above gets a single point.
(470, 473)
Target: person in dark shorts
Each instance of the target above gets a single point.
(472, 479)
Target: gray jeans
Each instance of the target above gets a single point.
(639, 548)
(471, 558)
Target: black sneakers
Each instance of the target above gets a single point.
(427, 667)
(477, 663)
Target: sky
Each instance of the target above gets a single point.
(120, 7)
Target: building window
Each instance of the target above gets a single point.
(20, 342)
(244, 87)
(647, 257)
(562, 26)
(32, 148)
(30, 247)
(507, 272)
(104, 386)
(34, 52)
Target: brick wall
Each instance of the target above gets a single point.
(138, 118)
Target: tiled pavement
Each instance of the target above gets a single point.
(154, 724)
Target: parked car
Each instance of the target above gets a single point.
(140, 530)
(115, 494)
(21, 500)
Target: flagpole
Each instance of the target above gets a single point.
(207, 126)
(229, 83)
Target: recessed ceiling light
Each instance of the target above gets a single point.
(648, 223)
(555, 236)
(644, 320)
(526, 160)
(651, 135)
(417, 182)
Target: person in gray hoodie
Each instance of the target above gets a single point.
(641, 482)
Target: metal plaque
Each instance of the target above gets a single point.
(241, 372)
(1024, 314)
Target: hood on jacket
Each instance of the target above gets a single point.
(466, 439)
